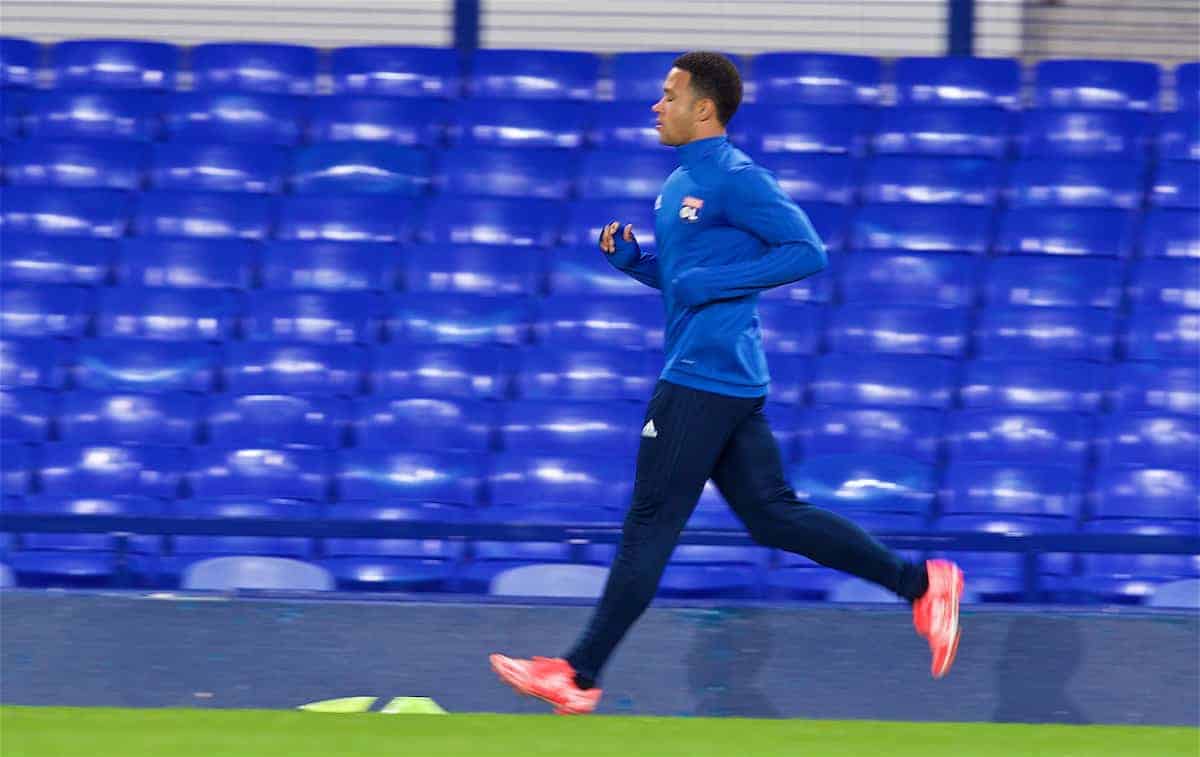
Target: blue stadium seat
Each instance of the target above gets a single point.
(234, 117)
(461, 319)
(1000, 576)
(400, 121)
(255, 67)
(534, 74)
(586, 375)
(138, 365)
(585, 218)
(1131, 578)
(1153, 334)
(1176, 185)
(600, 323)
(1037, 386)
(256, 572)
(31, 363)
(1160, 387)
(817, 177)
(490, 560)
(831, 223)
(396, 71)
(68, 212)
(125, 418)
(503, 221)
(250, 482)
(175, 315)
(377, 477)
(582, 272)
(1165, 283)
(967, 181)
(377, 565)
(360, 168)
(276, 420)
(905, 278)
(1154, 440)
(187, 262)
(1124, 85)
(623, 126)
(71, 471)
(346, 218)
(545, 173)
(1012, 488)
(1045, 333)
(294, 368)
(425, 423)
(329, 266)
(38, 259)
(106, 165)
(887, 380)
(319, 317)
(44, 311)
(1015, 436)
(204, 214)
(537, 481)
(963, 132)
(93, 115)
(221, 167)
(1107, 232)
(517, 123)
(618, 173)
(570, 428)
(639, 76)
(14, 112)
(16, 470)
(1048, 182)
(1171, 234)
(473, 269)
(1042, 281)
(19, 62)
(790, 375)
(816, 78)
(450, 372)
(872, 482)
(767, 129)
(1187, 86)
(790, 328)
(1179, 136)
(26, 415)
(903, 432)
(898, 329)
(954, 81)
(701, 571)
(923, 228)
(1083, 134)
(114, 64)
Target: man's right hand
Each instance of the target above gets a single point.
(608, 238)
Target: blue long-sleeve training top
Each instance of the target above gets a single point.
(724, 231)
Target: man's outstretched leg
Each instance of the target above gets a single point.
(750, 477)
(685, 430)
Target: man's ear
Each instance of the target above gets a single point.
(706, 109)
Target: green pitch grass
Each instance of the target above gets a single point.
(100, 732)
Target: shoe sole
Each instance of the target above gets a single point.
(526, 693)
(955, 597)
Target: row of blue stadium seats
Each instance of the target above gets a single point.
(132, 365)
(880, 277)
(584, 427)
(863, 277)
(552, 74)
(354, 167)
(765, 129)
(695, 571)
(390, 484)
(533, 222)
(1150, 332)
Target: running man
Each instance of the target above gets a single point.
(725, 231)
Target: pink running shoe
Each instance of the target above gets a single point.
(549, 679)
(935, 615)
